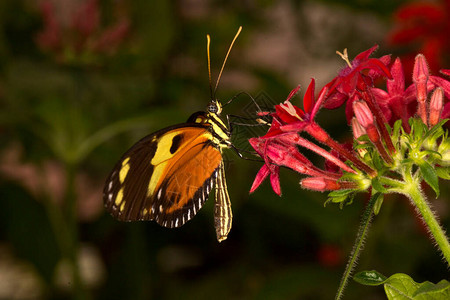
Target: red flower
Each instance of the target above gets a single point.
(78, 36)
(397, 102)
(357, 76)
(292, 118)
(280, 146)
(329, 256)
(426, 24)
(281, 150)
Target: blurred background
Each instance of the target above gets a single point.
(83, 80)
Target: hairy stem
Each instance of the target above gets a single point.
(418, 198)
(321, 136)
(358, 246)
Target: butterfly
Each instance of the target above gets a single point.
(167, 176)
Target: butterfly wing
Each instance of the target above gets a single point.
(166, 177)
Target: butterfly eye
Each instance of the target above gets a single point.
(212, 107)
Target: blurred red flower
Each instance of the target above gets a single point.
(72, 30)
(424, 27)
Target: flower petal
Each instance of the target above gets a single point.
(308, 99)
(363, 56)
(334, 100)
(446, 111)
(275, 180)
(441, 82)
(262, 174)
(396, 85)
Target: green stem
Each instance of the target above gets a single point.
(394, 183)
(70, 210)
(418, 198)
(357, 247)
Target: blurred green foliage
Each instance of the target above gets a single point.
(84, 110)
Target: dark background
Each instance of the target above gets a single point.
(81, 81)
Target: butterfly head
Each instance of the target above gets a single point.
(214, 107)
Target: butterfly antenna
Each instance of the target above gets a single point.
(208, 42)
(225, 60)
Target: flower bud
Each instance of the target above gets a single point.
(365, 118)
(358, 130)
(436, 105)
(420, 78)
(322, 184)
(363, 114)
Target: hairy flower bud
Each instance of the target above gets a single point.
(436, 105)
(365, 118)
(363, 114)
(322, 184)
(358, 130)
(420, 78)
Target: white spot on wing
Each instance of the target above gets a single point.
(176, 222)
(159, 194)
(160, 208)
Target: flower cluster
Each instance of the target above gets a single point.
(393, 128)
(72, 30)
(424, 27)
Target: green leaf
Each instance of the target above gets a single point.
(431, 153)
(340, 193)
(401, 286)
(430, 176)
(417, 129)
(396, 129)
(443, 172)
(377, 206)
(364, 139)
(378, 163)
(429, 290)
(370, 278)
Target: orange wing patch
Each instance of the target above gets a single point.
(186, 185)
